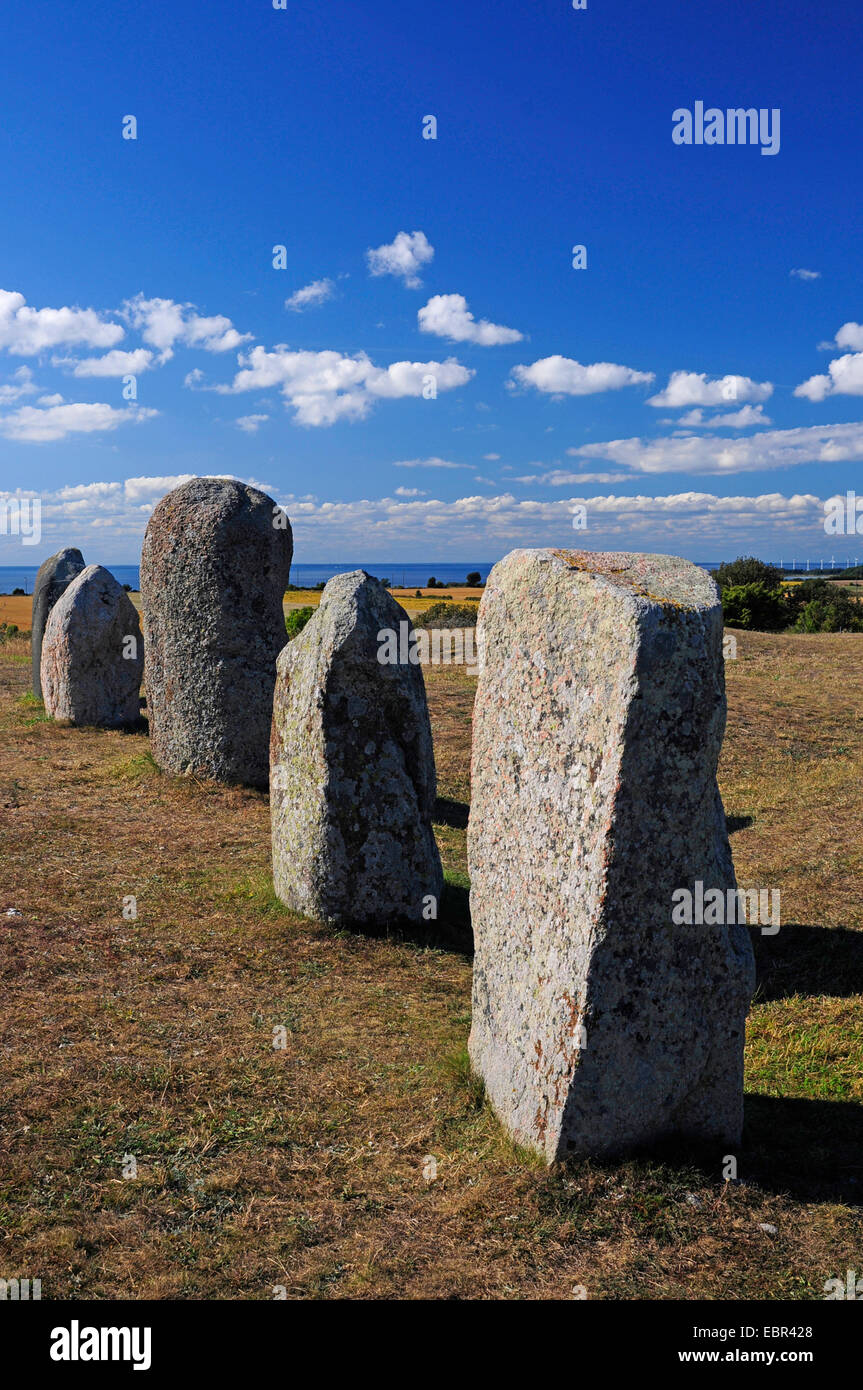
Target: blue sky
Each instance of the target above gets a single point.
(689, 386)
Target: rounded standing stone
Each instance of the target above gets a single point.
(92, 653)
(215, 564)
(55, 575)
(352, 780)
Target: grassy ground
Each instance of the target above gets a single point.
(308, 1167)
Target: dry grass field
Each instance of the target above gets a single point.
(306, 1167)
(301, 598)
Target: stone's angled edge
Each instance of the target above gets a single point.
(598, 1026)
(352, 785)
(55, 574)
(214, 569)
(91, 670)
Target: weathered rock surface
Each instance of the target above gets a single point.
(597, 1024)
(352, 777)
(55, 575)
(92, 653)
(215, 564)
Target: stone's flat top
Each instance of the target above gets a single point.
(665, 579)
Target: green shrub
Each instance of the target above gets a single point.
(447, 615)
(747, 570)
(814, 606)
(755, 606)
(821, 607)
(296, 620)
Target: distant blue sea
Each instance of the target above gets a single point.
(304, 576)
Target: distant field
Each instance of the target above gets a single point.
(19, 610)
(16, 610)
(406, 597)
(305, 1167)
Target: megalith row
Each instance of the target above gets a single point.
(600, 1023)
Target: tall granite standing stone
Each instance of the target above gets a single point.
(352, 776)
(214, 568)
(93, 654)
(598, 1024)
(55, 575)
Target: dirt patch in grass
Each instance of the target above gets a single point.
(154, 1143)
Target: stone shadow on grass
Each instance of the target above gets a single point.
(811, 1150)
(451, 931)
(807, 960)
(451, 813)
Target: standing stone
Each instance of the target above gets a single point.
(352, 775)
(215, 565)
(55, 574)
(598, 1025)
(92, 653)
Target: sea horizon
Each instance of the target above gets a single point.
(400, 573)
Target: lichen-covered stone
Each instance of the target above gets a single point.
(92, 653)
(55, 575)
(215, 564)
(598, 1025)
(352, 777)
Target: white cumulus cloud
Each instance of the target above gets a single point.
(694, 388)
(26, 332)
(473, 524)
(114, 363)
(318, 292)
(844, 378)
(403, 257)
(706, 454)
(748, 415)
(448, 316)
(20, 384)
(563, 376)
(31, 425)
(163, 322)
(323, 387)
(850, 335)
